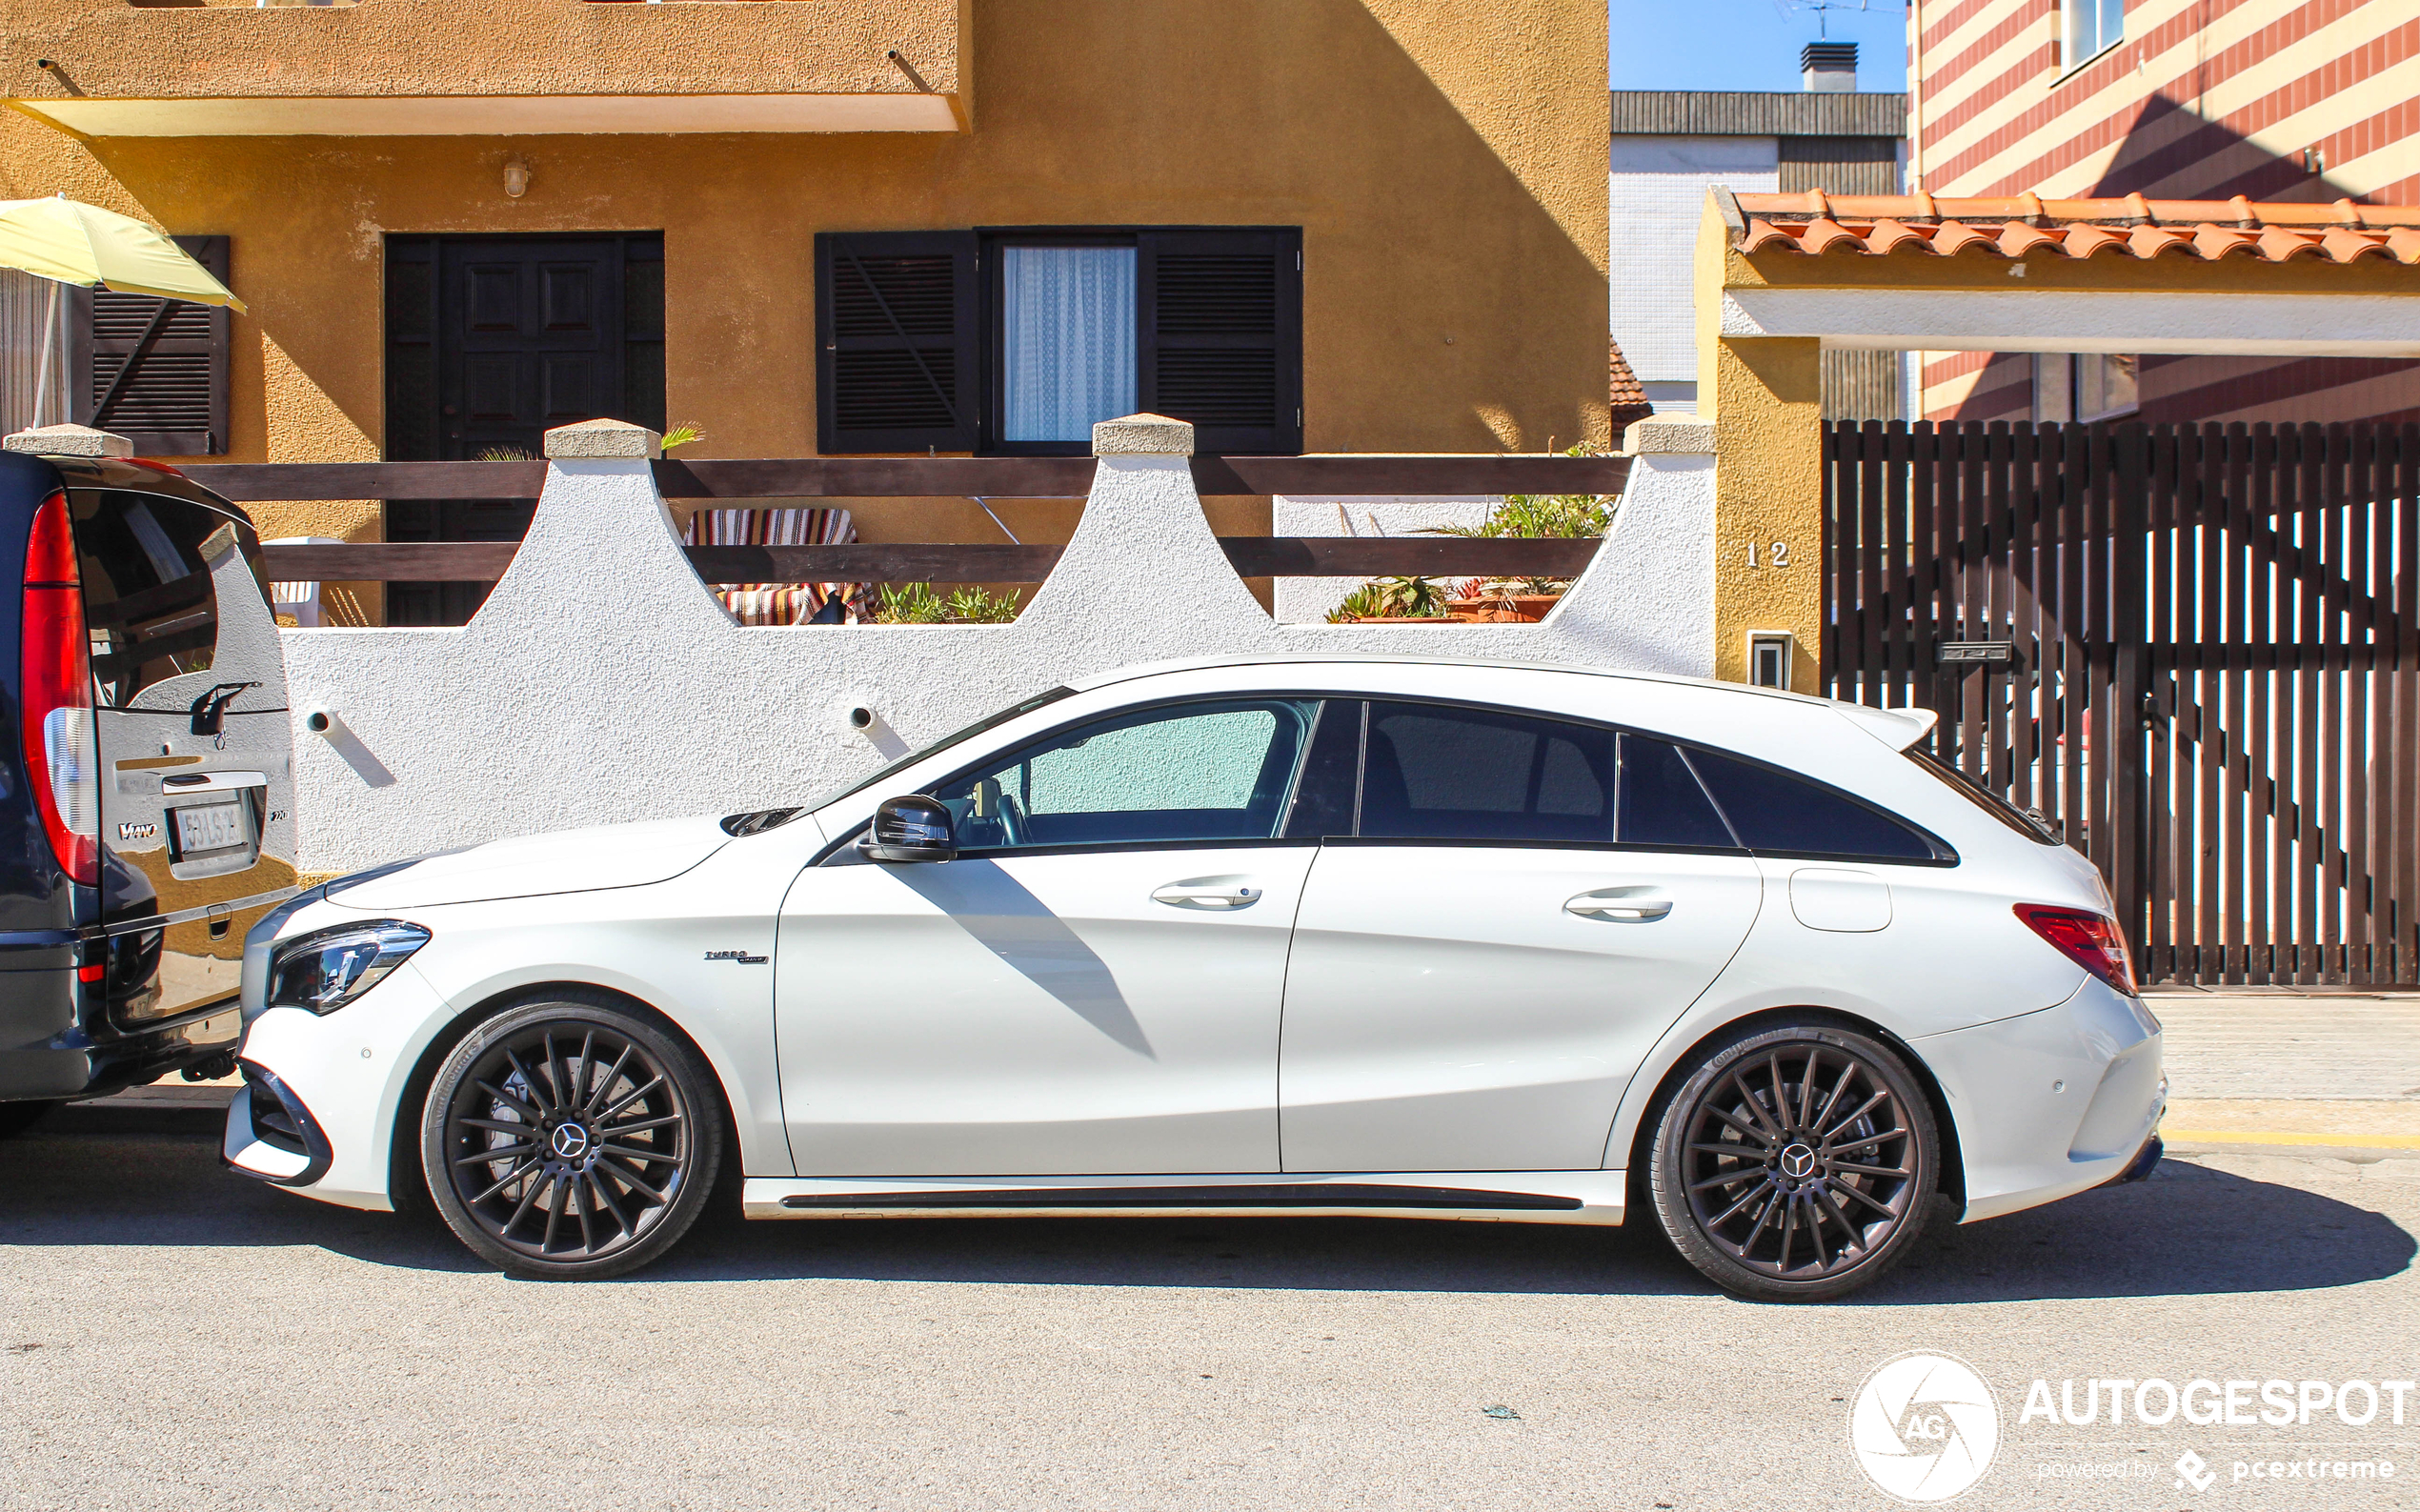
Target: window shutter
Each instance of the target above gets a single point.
(154, 371)
(1221, 337)
(896, 341)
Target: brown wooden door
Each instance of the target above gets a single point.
(492, 342)
(2194, 650)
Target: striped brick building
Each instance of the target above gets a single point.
(2298, 100)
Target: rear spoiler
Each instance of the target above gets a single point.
(1896, 728)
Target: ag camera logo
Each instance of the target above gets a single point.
(1923, 1427)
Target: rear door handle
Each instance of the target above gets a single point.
(1207, 894)
(1629, 905)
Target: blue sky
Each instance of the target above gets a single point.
(1747, 43)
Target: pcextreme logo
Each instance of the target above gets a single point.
(1923, 1427)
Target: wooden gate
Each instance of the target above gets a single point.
(2194, 651)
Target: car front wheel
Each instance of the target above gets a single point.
(1797, 1163)
(569, 1140)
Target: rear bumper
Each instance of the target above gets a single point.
(2050, 1103)
(47, 1054)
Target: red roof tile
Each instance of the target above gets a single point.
(1923, 226)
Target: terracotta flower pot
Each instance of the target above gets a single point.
(1523, 609)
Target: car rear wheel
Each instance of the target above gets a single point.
(1797, 1163)
(569, 1140)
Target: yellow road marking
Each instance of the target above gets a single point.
(2361, 1141)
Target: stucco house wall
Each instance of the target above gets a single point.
(1442, 159)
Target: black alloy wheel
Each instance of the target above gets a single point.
(1797, 1164)
(571, 1141)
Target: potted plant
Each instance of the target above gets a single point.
(1394, 601)
(1529, 517)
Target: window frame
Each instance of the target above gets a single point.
(2072, 59)
(843, 850)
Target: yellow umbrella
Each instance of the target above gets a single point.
(77, 244)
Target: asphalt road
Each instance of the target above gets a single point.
(177, 1337)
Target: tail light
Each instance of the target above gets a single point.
(61, 759)
(2091, 940)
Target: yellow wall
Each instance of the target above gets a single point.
(1766, 402)
(1446, 162)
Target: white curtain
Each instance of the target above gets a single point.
(1069, 332)
(33, 369)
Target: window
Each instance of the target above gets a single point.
(1774, 813)
(1196, 772)
(2082, 387)
(150, 602)
(1663, 804)
(1067, 340)
(1017, 342)
(2092, 28)
(1433, 773)
(2105, 386)
(1983, 797)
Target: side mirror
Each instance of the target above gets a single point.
(911, 828)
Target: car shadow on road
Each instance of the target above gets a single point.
(2188, 1231)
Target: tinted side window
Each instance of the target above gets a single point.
(149, 600)
(1773, 811)
(1662, 803)
(1193, 772)
(1434, 773)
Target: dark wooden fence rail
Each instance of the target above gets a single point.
(923, 477)
(909, 561)
(940, 477)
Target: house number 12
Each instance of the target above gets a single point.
(1781, 554)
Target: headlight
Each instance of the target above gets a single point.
(325, 971)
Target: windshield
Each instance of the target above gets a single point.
(988, 722)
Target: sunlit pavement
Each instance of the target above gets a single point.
(178, 1336)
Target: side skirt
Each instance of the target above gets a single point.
(1516, 1196)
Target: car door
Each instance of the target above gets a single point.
(1522, 906)
(1091, 985)
(196, 827)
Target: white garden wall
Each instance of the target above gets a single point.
(602, 682)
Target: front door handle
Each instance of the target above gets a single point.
(1207, 894)
(1629, 905)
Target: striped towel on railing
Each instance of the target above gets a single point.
(782, 603)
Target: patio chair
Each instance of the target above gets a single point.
(301, 601)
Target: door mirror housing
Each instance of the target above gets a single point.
(911, 828)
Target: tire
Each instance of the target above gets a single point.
(16, 1118)
(630, 1136)
(1789, 1188)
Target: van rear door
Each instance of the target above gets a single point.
(197, 831)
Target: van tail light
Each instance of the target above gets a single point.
(2091, 940)
(61, 759)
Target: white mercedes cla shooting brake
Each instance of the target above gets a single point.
(1383, 936)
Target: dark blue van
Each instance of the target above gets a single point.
(145, 776)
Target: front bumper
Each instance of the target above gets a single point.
(346, 1074)
(2050, 1103)
(272, 1135)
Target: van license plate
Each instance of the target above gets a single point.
(209, 827)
